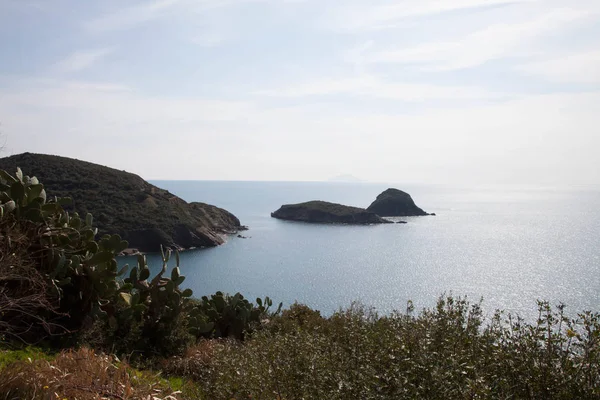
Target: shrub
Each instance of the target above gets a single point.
(56, 251)
(448, 352)
(27, 306)
(223, 315)
(150, 316)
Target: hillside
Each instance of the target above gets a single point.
(143, 214)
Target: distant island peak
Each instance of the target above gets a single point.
(395, 203)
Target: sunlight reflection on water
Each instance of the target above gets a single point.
(510, 246)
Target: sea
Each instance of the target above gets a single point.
(508, 246)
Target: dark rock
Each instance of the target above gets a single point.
(400, 222)
(329, 213)
(123, 203)
(395, 203)
(130, 252)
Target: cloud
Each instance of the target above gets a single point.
(148, 11)
(569, 68)
(358, 16)
(117, 102)
(287, 90)
(539, 138)
(81, 60)
(209, 39)
(370, 86)
(494, 42)
(130, 16)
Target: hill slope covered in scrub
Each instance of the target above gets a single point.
(123, 203)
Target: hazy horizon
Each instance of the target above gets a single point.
(434, 92)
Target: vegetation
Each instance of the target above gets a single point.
(449, 352)
(124, 204)
(122, 334)
(81, 374)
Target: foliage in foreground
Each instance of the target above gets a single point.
(449, 352)
(60, 283)
(81, 375)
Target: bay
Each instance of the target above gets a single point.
(510, 245)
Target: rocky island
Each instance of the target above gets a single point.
(328, 213)
(395, 203)
(123, 203)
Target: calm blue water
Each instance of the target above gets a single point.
(509, 245)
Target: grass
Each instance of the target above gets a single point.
(81, 374)
(8, 357)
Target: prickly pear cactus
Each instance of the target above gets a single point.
(81, 269)
(159, 300)
(230, 316)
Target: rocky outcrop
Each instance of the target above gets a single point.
(123, 203)
(328, 213)
(395, 203)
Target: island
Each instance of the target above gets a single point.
(395, 203)
(328, 213)
(123, 203)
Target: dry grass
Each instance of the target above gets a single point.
(80, 375)
(196, 360)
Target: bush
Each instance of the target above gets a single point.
(223, 315)
(52, 250)
(28, 309)
(449, 352)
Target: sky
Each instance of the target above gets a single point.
(428, 91)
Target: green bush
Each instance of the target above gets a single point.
(448, 352)
(149, 316)
(223, 315)
(56, 251)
